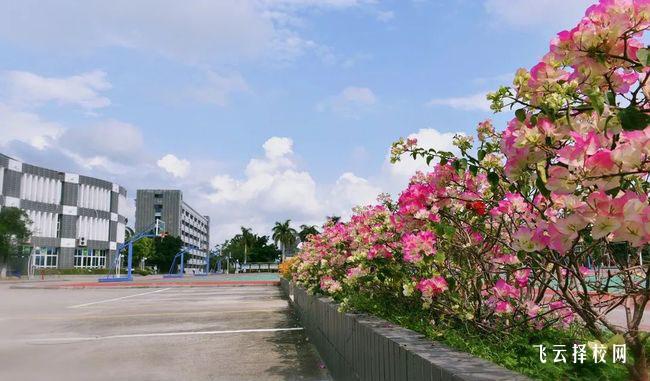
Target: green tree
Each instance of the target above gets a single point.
(255, 248)
(285, 235)
(14, 230)
(248, 240)
(306, 231)
(144, 248)
(165, 249)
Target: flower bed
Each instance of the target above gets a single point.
(534, 233)
(362, 347)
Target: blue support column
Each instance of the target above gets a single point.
(182, 262)
(129, 261)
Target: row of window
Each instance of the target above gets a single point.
(94, 198)
(93, 228)
(44, 224)
(48, 257)
(40, 189)
(49, 191)
(89, 258)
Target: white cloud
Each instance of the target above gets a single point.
(117, 141)
(385, 16)
(191, 30)
(350, 102)
(194, 31)
(427, 138)
(218, 88)
(26, 89)
(550, 14)
(174, 166)
(276, 147)
(351, 190)
(272, 183)
(318, 3)
(26, 127)
(107, 144)
(360, 95)
(274, 187)
(469, 103)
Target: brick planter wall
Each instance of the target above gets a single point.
(361, 347)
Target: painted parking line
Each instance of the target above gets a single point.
(160, 334)
(143, 315)
(116, 299)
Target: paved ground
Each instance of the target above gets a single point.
(152, 281)
(202, 333)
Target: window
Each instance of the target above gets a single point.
(90, 258)
(46, 257)
(158, 195)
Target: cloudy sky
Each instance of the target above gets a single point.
(259, 110)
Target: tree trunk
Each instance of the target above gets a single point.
(638, 370)
(3, 272)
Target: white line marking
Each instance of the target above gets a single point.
(115, 299)
(163, 334)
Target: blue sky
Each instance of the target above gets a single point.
(259, 110)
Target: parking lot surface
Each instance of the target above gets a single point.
(198, 333)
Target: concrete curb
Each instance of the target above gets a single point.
(360, 347)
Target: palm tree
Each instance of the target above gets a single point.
(248, 239)
(306, 231)
(284, 234)
(333, 220)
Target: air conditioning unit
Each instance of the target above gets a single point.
(81, 242)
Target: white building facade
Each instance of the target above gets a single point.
(76, 221)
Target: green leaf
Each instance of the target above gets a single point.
(480, 154)
(473, 169)
(493, 178)
(597, 101)
(443, 161)
(611, 98)
(429, 158)
(521, 115)
(616, 339)
(542, 187)
(439, 258)
(449, 231)
(644, 56)
(541, 171)
(633, 119)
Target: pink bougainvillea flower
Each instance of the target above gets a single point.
(503, 307)
(521, 277)
(417, 245)
(503, 290)
(432, 286)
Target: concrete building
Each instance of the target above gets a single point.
(77, 221)
(181, 220)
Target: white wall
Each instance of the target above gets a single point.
(92, 228)
(43, 223)
(40, 189)
(94, 198)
